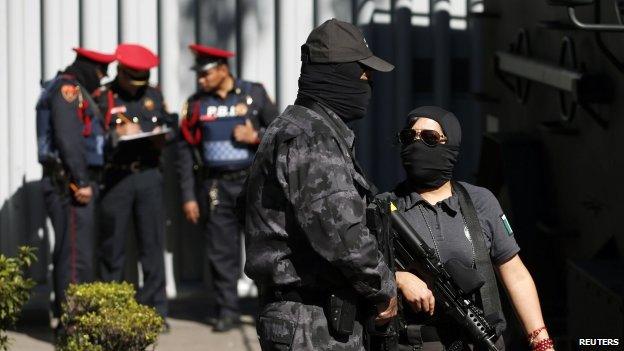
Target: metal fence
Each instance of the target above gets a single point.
(36, 37)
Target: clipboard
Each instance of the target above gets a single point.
(144, 145)
(150, 136)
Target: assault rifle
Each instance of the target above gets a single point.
(450, 290)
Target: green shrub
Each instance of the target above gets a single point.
(106, 317)
(14, 289)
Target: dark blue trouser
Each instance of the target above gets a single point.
(138, 196)
(74, 235)
(223, 241)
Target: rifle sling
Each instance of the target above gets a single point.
(489, 291)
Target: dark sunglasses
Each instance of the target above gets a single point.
(428, 136)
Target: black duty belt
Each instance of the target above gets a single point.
(301, 295)
(132, 167)
(226, 174)
(49, 171)
(94, 173)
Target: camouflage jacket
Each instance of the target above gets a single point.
(306, 209)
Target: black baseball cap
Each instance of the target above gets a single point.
(336, 41)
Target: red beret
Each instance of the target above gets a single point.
(207, 51)
(136, 57)
(96, 56)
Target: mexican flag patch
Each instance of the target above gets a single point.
(507, 225)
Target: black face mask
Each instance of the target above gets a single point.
(428, 167)
(337, 86)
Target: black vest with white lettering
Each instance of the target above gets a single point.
(217, 118)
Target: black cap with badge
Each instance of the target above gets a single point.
(336, 41)
(207, 57)
(335, 70)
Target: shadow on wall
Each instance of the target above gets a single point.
(23, 222)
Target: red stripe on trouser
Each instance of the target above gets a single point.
(72, 244)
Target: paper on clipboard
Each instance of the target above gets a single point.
(143, 135)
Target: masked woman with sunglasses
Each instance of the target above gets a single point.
(464, 225)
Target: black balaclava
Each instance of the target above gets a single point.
(429, 167)
(85, 72)
(337, 86)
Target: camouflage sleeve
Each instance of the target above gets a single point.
(68, 133)
(331, 213)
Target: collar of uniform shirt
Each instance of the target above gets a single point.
(339, 126)
(449, 205)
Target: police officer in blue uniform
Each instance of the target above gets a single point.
(70, 138)
(132, 178)
(221, 127)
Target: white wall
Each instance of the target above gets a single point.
(258, 43)
(36, 41)
(36, 38)
(295, 23)
(20, 69)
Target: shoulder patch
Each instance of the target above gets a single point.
(507, 225)
(69, 92)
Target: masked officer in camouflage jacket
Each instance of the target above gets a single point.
(307, 245)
